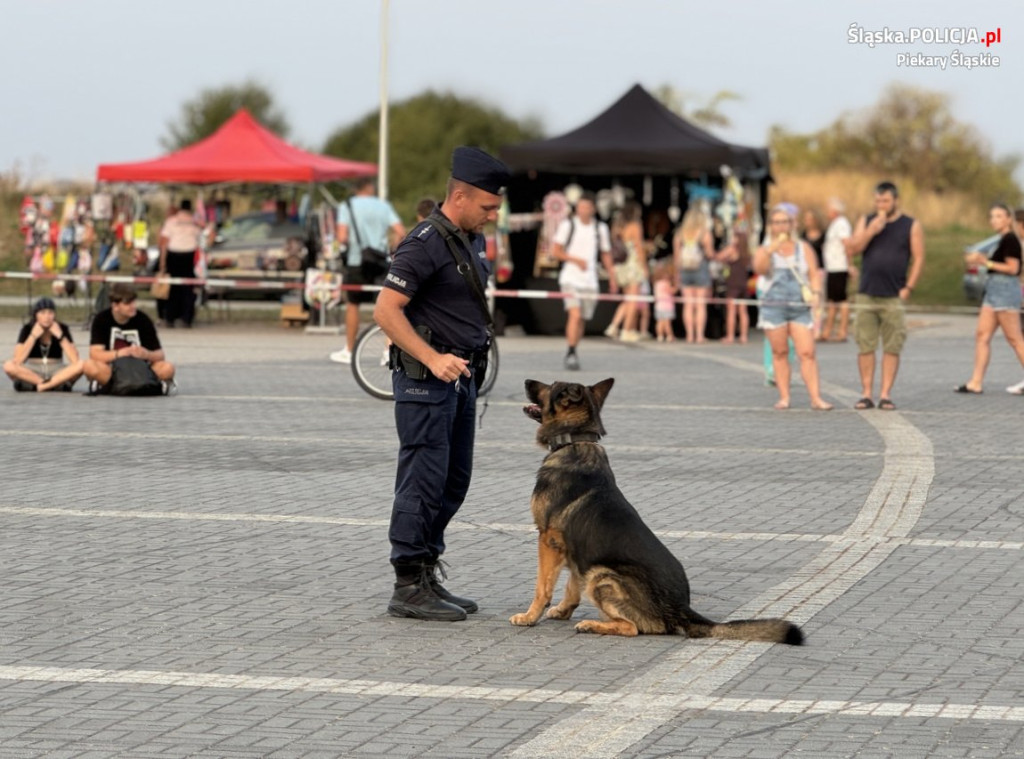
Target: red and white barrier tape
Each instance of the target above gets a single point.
(273, 284)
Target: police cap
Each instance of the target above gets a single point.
(474, 166)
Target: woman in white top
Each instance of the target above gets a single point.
(179, 240)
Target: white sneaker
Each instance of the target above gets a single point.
(1017, 389)
(629, 336)
(611, 331)
(344, 356)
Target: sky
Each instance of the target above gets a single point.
(96, 82)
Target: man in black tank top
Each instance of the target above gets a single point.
(892, 248)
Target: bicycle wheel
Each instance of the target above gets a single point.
(370, 363)
(491, 375)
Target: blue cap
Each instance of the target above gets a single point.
(43, 304)
(474, 166)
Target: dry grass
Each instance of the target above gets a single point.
(856, 190)
(11, 192)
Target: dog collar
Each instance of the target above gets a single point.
(567, 438)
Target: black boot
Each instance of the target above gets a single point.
(468, 604)
(414, 597)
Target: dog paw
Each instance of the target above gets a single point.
(559, 612)
(585, 626)
(522, 620)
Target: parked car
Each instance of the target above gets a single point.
(975, 276)
(255, 243)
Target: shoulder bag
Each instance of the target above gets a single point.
(375, 262)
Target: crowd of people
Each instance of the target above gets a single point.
(803, 276)
(680, 274)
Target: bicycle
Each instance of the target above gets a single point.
(370, 365)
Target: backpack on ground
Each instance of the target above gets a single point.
(133, 376)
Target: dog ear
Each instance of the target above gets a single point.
(535, 389)
(600, 390)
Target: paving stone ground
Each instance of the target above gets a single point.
(206, 575)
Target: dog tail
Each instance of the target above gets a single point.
(764, 630)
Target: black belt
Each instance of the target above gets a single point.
(474, 357)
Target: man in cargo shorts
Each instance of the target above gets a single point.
(892, 248)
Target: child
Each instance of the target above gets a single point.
(664, 305)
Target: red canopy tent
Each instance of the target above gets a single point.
(242, 150)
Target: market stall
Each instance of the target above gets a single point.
(636, 148)
(244, 151)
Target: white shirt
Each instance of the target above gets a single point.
(834, 252)
(583, 245)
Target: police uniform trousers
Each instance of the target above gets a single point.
(435, 422)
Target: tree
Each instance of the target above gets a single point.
(708, 115)
(910, 133)
(203, 115)
(423, 131)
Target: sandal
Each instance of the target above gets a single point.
(965, 389)
(823, 406)
(886, 405)
(782, 405)
(864, 403)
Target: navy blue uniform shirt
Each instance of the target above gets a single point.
(423, 269)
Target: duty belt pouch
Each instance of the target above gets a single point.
(412, 367)
(480, 370)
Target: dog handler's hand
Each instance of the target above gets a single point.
(448, 367)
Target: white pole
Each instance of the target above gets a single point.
(382, 161)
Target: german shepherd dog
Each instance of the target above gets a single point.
(586, 523)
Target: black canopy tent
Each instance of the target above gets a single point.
(638, 144)
(636, 135)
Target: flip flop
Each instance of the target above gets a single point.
(864, 403)
(965, 389)
(886, 405)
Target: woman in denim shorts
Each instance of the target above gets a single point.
(785, 315)
(692, 250)
(1000, 307)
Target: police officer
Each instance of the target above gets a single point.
(431, 308)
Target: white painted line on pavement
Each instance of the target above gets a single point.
(659, 707)
(388, 443)
(763, 537)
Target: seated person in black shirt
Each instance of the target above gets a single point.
(122, 330)
(43, 345)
